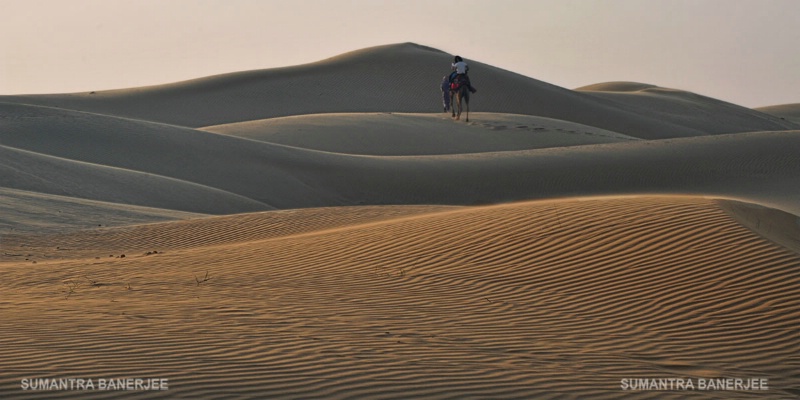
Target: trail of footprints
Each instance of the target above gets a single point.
(500, 126)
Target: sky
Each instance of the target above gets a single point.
(741, 51)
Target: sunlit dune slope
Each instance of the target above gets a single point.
(529, 300)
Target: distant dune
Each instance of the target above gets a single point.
(682, 108)
(617, 87)
(789, 112)
(326, 231)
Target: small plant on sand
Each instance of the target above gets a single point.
(71, 286)
(204, 279)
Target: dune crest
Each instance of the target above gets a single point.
(616, 87)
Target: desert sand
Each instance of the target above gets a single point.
(325, 231)
(790, 112)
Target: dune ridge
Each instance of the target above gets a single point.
(199, 231)
(537, 299)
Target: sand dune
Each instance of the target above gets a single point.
(778, 226)
(257, 175)
(398, 78)
(257, 171)
(789, 112)
(392, 134)
(324, 231)
(32, 212)
(25, 170)
(199, 231)
(617, 87)
(531, 300)
(681, 108)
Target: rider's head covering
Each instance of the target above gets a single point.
(458, 59)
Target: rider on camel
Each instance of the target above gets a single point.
(459, 74)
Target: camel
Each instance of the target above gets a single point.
(456, 97)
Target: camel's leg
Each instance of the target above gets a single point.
(452, 103)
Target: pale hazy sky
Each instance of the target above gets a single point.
(742, 51)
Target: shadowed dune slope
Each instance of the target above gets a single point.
(683, 108)
(393, 134)
(553, 299)
(23, 211)
(726, 166)
(394, 78)
(34, 172)
(255, 175)
(258, 171)
(778, 226)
